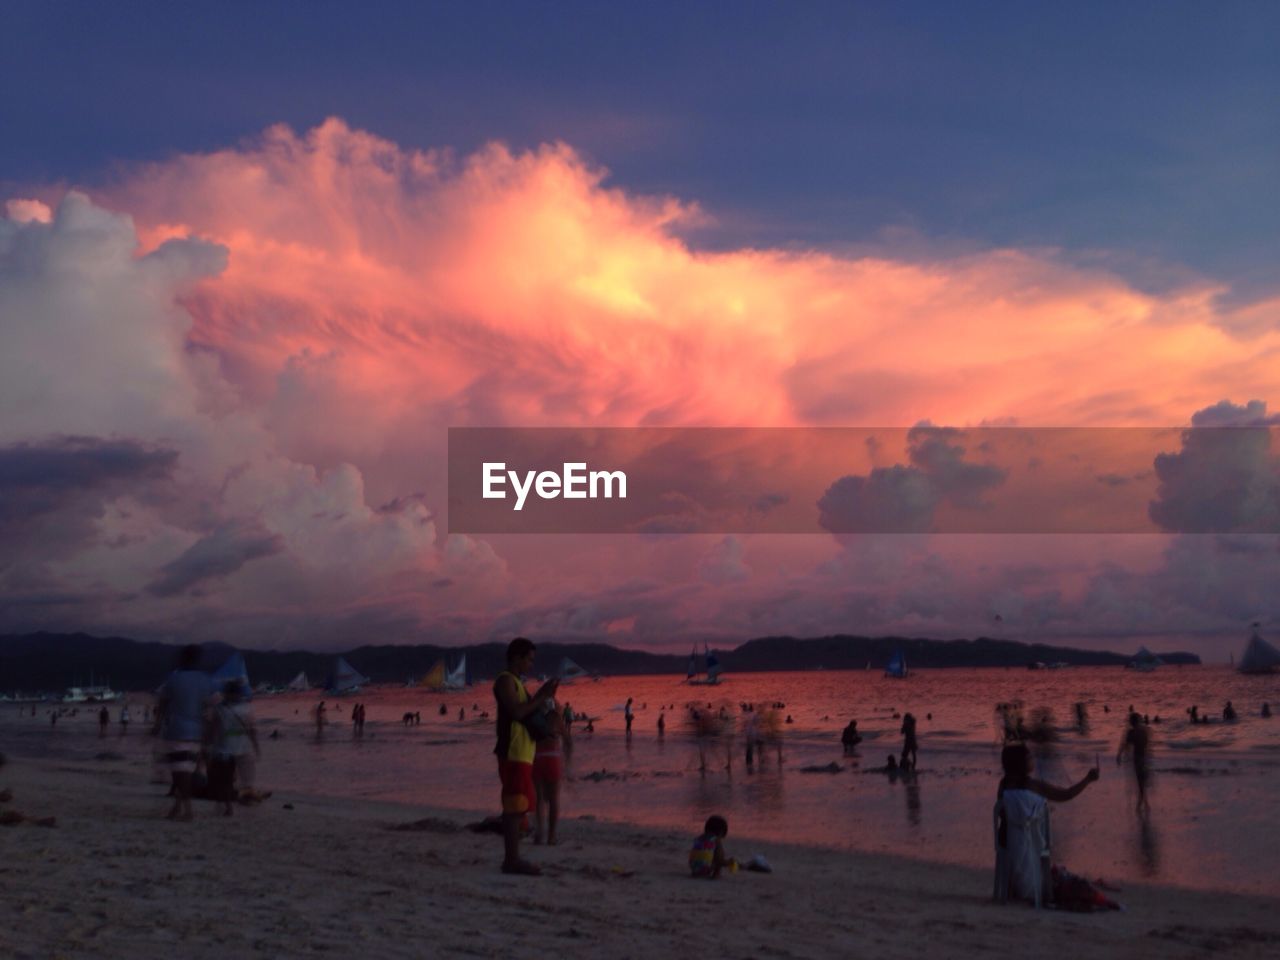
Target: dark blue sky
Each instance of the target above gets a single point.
(1147, 134)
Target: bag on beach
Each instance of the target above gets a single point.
(1072, 892)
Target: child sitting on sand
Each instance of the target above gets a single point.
(707, 857)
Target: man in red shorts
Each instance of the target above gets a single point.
(515, 748)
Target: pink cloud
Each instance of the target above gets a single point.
(372, 295)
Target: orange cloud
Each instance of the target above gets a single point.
(373, 295)
(519, 288)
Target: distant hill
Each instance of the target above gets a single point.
(53, 661)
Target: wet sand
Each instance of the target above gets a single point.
(333, 876)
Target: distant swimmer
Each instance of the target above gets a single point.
(1229, 713)
(1137, 741)
(909, 745)
(850, 738)
(1266, 710)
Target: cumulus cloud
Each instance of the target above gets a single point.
(904, 498)
(300, 317)
(1226, 477)
(135, 475)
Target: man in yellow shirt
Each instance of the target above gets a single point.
(515, 748)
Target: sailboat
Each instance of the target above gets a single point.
(1259, 657)
(570, 671)
(440, 679)
(1144, 661)
(433, 679)
(456, 678)
(344, 678)
(712, 677)
(233, 669)
(298, 683)
(897, 666)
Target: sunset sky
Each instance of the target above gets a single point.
(256, 259)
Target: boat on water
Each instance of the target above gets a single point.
(1259, 657)
(344, 678)
(706, 675)
(92, 694)
(1144, 661)
(439, 679)
(569, 671)
(896, 669)
(298, 683)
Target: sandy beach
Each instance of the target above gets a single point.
(303, 876)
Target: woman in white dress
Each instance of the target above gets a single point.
(1021, 822)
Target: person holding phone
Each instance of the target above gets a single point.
(515, 749)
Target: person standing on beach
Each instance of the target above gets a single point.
(124, 720)
(233, 735)
(104, 718)
(628, 715)
(908, 740)
(181, 702)
(549, 761)
(751, 733)
(320, 719)
(515, 749)
(1137, 740)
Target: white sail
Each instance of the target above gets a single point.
(300, 682)
(1259, 656)
(456, 678)
(345, 678)
(570, 671)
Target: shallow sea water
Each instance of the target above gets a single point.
(1211, 802)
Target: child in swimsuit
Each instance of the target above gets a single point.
(548, 770)
(707, 858)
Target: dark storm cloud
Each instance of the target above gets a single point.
(217, 555)
(52, 491)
